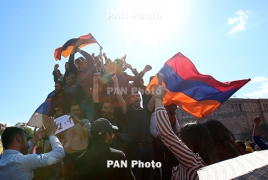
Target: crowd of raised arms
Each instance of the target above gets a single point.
(114, 137)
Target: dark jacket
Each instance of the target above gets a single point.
(92, 164)
(66, 102)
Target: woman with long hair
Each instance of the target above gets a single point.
(194, 149)
(224, 140)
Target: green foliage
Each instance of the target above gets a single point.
(29, 132)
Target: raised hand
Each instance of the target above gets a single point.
(147, 68)
(257, 120)
(56, 66)
(51, 128)
(74, 118)
(160, 78)
(39, 134)
(129, 66)
(124, 57)
(114, 78)
(59, 111)
(160, 92)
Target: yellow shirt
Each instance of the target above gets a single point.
(249, 149)
(1, 148)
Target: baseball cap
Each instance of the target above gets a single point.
(101, 126)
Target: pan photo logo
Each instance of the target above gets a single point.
(134, 163)
(134, 15)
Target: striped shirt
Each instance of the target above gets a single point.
(190, 162)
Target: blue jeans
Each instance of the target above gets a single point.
(88, 111)
(144, 154)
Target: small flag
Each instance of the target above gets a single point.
(67, 48)
(40, 116)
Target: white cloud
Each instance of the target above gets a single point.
(263, 88)
(259, 79)
(241, 20)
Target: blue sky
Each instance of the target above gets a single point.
(225, 39)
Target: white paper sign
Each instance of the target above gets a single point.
(63, 123)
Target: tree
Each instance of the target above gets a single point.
(29, 132)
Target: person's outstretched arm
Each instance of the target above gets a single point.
(33, 161)
(185, 155)
(119, 96)
(256, 137)
(96, 79)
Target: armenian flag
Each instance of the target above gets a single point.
(196, 93)
(67, 48)
(40, 116)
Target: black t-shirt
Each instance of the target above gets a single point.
(138, 125)
(115, 121)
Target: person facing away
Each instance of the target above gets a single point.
(224, 140)
(92, 164)
(241, 146)
(16, 163)
(194, 149)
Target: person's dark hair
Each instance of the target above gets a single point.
(221, 134)
(241, 144)
(60, 82)
(80, 59)
(247, 139)
(101, 137)
(70, 75)
(9, 134)
(252, 144)
(198, 139)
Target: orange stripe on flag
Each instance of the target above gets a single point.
(199, 109)
(68, 51)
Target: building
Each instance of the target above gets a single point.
(236, 114)
(20, 125)
(2, 127)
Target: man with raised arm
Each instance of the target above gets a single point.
(84, 79)
(137, 121)
(256, 136)
(16, 163)
(107, 110)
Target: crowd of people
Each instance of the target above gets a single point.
(104, 103)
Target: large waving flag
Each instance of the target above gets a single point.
(196, 93)
(67, 48)
(40, 116)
